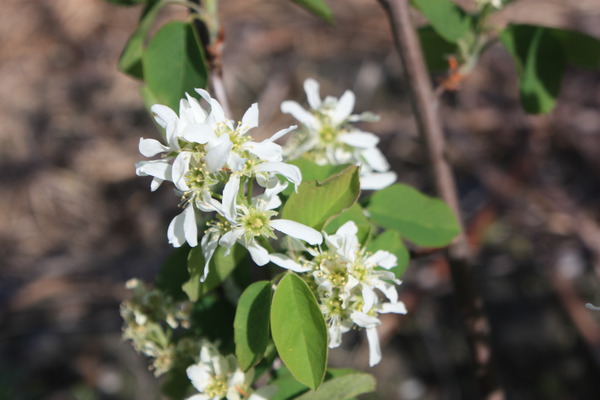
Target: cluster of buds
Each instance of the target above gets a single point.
(328, 136)
(213, 163)
(352, 285)
(150, 317)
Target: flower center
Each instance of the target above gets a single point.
(217, 387)
(328, 134)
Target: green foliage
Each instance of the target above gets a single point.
(174, 273)
(174, 64)
(435, 48)
(316, 203)
(176, 384)
(299, 331)
(581, 50)
(423, 220)
(540, 61)
(317, 7)
(391, 241)
(356, 214)
(449, 20)
(342, 388)
(212, 317)
(287, 386)
(312, 171)
(220, 267)
(130, 61)
(251, 324)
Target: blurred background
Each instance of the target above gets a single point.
(76, 223)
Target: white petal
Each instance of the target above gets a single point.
(384, 259)
(163, 114)
(297, 230)
(281, 133)
(209, 244)
(348, 229)
(369, 297)
(217, 113)
(230, 193)
(151, 147)
(204, 94)
(199, 397)
(311, 87)
(374, 159)
(259, 254)
(199, 377)
(290, 172)
(172, 134)
(199, 133)
(398, 308)
(374, 349)
(377, 180)
(361, 140)
(335, 336)
(229, 238)
(181, 166)
(288, 263)
(198, 115)
(158, 168)
(235, 162)
(343, 109)
(363, 320)
(183, 228)
(250, 118)
(265, 150)
(155, 184)
(303, 116)
(387, 289)
(218, 153)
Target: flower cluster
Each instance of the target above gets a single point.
(150, 317)
(213, 163)
(328, 137)
(494, 3)
(218, 377)
(350, 284)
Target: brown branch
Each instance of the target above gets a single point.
(425, 109)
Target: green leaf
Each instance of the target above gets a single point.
(317, 7)
(581, 50)
(212, 317)
(391, 241)
(423, 220)
(287, 386)
(312, 171)
(356, 214)
(174, 64)
(435, 49)
(220, 267)
(251, 324)
(299, 331)
(449, 20)
(130, 61)
(540, 62)
(342, 388)
(316, 203)
(173, 273)
(176, 384)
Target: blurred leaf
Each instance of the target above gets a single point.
(449, 20)
(174, 64)
(212, 318)
(423, 220)
(435, 49)
(174, 273)
(316, 203)
(251, 324)
(317, 7)
(299, 331)
(356, 214)
(342, 388)
(582, 50)
(287, 386)
(130, 61)
(391, 241)
(176, 384)
(220, 267)
(540, 62)
(313, 171)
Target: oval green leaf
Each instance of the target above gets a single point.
(421, 219)
(316, 202)
(174, 64)
(449, 20)
(251, 324)
(317, 7)
(342, 388)
(299, 331)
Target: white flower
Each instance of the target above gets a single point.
(329, 138)
(494, 3)
(216, 377)
(247, 224)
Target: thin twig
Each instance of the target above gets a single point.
(425, 109)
